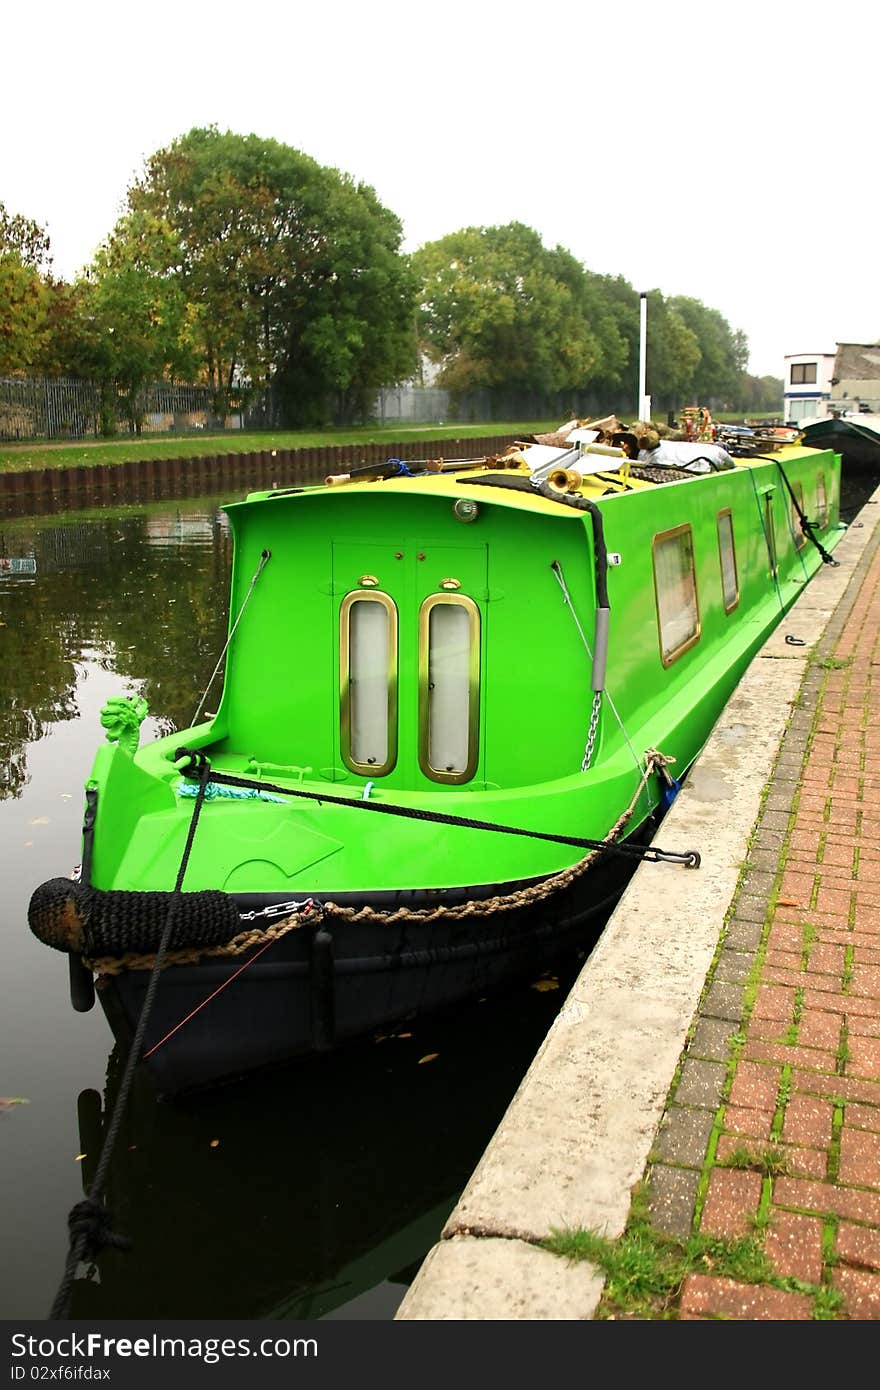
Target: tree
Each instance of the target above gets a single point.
(26, 239)
(290, 273)
(500, 310)
(759, 394)
(24, 255)
(671, 350)
(723, 352)
(672, 353)
(135, 327)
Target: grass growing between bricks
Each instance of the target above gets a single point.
(646, 1269)
(829, 663)
(771, 1162)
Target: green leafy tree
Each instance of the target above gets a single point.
(770, 392)
(120, 328)
(136, 326)
(26, 239)
(500, 310)
(290, 274)
(723, 353)
(673, 352)
(24, 260)
(620, 303)
(75, 346)
(759, 394)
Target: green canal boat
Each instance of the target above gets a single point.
(456, 699)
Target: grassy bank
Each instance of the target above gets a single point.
(21, 458)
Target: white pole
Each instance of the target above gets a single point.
(644, 402)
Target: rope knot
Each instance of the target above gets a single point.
(655, 761)
(89, 1222)
(653, 755)
(196, 764)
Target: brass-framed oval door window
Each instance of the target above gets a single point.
(368, 682)
(449, 687)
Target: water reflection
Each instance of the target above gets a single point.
(141, 593)
(315, 1190)
(312, 1193)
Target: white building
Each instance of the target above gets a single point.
(807, 385)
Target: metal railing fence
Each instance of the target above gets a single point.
(57, 408)
(70, 408)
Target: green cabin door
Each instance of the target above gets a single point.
(411, 660)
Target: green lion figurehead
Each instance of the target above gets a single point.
(122, 717)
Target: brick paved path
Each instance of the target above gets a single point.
(774, 1128)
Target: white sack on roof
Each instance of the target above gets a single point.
(682, 453)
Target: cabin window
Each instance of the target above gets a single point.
(821, 502)
(449, 687)
(800, 539)
(769, 533)
(803, 373)
(675, 586)
(727, 555)
(368, 681)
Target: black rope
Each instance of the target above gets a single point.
(807, 526)
(650, 852)
(714, 465)
(89, 1221)
(519, 483)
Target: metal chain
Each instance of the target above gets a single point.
(560, 579)
(591, 733)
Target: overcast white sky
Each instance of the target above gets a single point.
(728, 152)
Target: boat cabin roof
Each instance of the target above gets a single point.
(592, 477)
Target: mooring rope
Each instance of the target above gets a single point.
(537, 892)
(655, 761)
(807, 526)
(553, 883)
(652, 852)
(89, 1220)
(768, 542)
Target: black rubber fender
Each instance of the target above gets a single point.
(85, 921)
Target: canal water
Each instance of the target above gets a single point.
(311, 1193)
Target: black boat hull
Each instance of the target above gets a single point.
(324, 985)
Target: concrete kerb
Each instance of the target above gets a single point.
(577, 1135)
